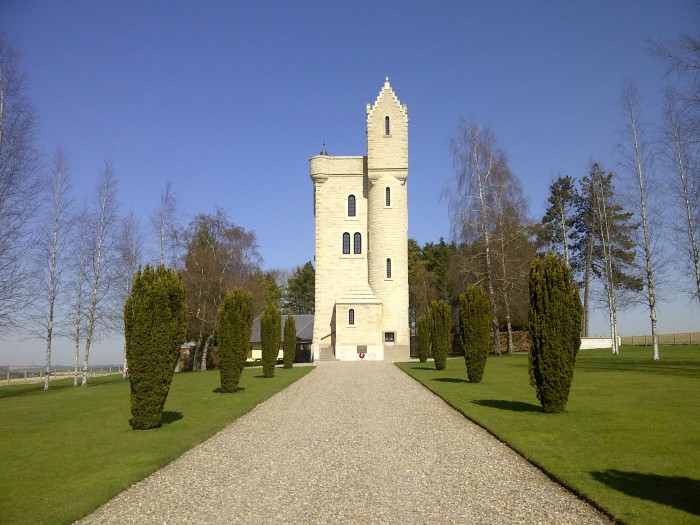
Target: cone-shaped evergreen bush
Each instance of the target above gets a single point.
(233, 334)
(154, 329)
(270, 338)
(441, 324)
(423, 338)
(475, 321)
(290, 341)
(554, 322)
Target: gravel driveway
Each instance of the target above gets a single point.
(351, 442)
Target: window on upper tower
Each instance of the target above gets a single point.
(388, 268)
(388, 196)
(346, 242)
(351, 206)
(387, 128)
(351, 316)
(358, 243)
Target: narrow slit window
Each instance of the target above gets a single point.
(358, 243)
(346, 242)
(388, 268)
(351, 206)
(351, 316)
(388, 196)
(387, 128)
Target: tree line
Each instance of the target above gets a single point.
(614, 229)
(68, 261)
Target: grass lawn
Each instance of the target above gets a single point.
(66, 451)
(629, 440)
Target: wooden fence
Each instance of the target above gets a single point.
(690, 338)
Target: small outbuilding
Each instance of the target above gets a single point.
(305, 332)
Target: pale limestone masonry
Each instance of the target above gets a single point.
(362, 257)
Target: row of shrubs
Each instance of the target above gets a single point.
(154, 329)
(554, 327)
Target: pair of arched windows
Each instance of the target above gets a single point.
(357, 243)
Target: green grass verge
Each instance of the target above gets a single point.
(629, 441)
(66, 451)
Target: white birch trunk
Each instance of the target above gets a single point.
(58, 167)
(651, 298)
(105, 197)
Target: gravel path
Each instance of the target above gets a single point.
(351, 442)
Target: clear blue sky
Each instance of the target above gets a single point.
(228, 100)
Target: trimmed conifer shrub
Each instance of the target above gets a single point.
(554, 321)
(233, 335)
(441, 323)
(290, 341)
(154, 329)
(270, 338)
(423, 338)
(474, 336)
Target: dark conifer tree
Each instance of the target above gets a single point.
(233, 335)
(475, 322)
(441, 324)
(154, 328)
(270, 338)
(423, 338)
(554, 322)
(290, 341)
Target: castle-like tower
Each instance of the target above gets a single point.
(361, 210)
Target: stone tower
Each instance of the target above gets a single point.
(361, 210)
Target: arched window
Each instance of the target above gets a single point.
(388, 268)
(351, 206)
(351, 316)
(388, 196)
(387, 129)
(358, 243)
(346, 242)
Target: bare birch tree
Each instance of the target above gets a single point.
(471, 199)
(57, 240)
(637, 162)
(682, 157)
(99, 254)
(129, 258)
(19, 186)
(79, 270)
(510, 210)
(163, 221)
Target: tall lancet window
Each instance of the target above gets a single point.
(387, 199)
(351, 206)
(388, 268)
(358, 243)
(351, 316)
(346, 242)
(387, 128)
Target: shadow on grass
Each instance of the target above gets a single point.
(513, 406)
(675, 491)
(422, 368)
(450, 380)
(220, 390)
(170, 417)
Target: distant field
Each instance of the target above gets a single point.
(629, 440)
(66, 451)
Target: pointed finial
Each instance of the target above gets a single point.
(323, 151)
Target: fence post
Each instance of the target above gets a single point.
(8, 377)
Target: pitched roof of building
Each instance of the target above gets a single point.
(304, 325)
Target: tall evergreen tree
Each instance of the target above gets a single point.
(558, 220)
(441, 324)
(555, 331)
(270, 338)
(154, 328)
(233, 334)
(423, 338)
(299, 296)
(290, 341)
(474, 331)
